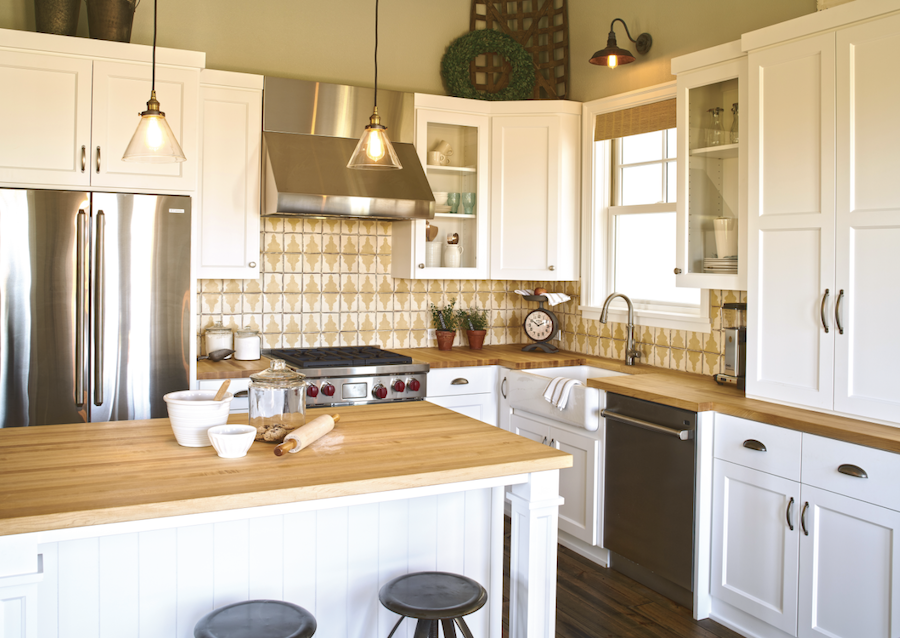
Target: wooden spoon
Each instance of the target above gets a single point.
(222, 390)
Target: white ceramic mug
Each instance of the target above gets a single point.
(443, 147)
(436, 158)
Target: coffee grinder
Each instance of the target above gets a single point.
(735, 349)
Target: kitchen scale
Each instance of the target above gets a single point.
(541, 326)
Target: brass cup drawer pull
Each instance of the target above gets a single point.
(753, 444)
(852, 470)
(459, 381)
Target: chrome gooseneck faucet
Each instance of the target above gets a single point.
(631, 353)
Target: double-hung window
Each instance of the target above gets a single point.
(630, 219)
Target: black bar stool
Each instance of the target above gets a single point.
(430, 597)
(257, 619)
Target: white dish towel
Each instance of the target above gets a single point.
(553, 298)
(557, 393)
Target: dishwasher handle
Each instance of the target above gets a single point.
(684, 435)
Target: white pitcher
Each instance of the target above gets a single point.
(452, 254)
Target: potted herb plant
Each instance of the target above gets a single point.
(475, 323)
(445, 323)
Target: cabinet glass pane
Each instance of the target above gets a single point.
(452, 170)
(712, 191)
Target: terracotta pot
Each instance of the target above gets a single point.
(445, 338)
(476, 338)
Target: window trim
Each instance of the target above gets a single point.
(597, 161)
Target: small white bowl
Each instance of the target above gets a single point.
(440, 198)
(193, 412)
(232, 441)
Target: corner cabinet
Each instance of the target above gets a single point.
(230, 139)
(71, 106)
(824, 222)
(464, 125)
(520, 161)
(535, 190)
(712, 169)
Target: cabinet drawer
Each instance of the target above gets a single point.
(782, 455)
(823, 457)
(238, 404)
(447, 382)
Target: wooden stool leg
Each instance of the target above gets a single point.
(400, 620)
(463, 627)
(426, 629)
(449, 631)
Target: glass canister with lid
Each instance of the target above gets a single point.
(277, 401)
(246, 345)
(218, 337)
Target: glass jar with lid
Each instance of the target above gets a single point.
(246, 344)
(277, 401)
(218, 337)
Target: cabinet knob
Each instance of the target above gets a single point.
(552, 267)
(252, 264)
(421, 265)
(678, 271)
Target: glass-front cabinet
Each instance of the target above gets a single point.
(712, 169)
(452, 138)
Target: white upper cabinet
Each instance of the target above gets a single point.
(867, 220)
(45, 119)
(463, 125)
(712, 169)
(71, 105)
(791, 222)
(520, 162)
(534, 191)
(231, 134)
(824, 223)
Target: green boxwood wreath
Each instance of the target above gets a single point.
(464, 49)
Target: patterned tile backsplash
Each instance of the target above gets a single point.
(328, 283)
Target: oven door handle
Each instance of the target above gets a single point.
(684, 435)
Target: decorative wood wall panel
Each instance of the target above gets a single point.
(542, 27)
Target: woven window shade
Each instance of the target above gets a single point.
(658, 116)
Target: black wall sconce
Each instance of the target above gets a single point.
(612, 56)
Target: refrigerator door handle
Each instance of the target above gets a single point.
(80, 286)
(99, 294)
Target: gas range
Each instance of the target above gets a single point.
(354, 375)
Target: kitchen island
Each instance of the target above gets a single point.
(114, 529)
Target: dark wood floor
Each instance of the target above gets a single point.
(596, 602)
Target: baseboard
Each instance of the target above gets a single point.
(599, 555)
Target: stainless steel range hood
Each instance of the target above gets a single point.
(310, 130)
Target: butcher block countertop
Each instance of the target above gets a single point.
(701, 394)
(62, 476)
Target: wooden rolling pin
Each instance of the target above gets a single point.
(306, 434)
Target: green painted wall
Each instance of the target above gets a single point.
(333, 40)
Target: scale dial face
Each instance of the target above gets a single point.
(540, 325)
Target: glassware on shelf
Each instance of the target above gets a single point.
(735, 126)
(715, 132)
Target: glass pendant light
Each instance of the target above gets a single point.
(153, 141)
(374, 151)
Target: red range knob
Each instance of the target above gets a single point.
(399, 386)
(312, 391)
(413, 385)
(379, 392)
(328, 390)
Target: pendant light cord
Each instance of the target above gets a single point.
(376, 55)
(153, 77)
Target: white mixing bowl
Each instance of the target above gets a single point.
(232, 441)
(193, 412)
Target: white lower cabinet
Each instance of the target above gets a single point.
(811, 558)
(469, 391)
(578, 516)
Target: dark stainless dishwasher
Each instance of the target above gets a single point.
(649, 494)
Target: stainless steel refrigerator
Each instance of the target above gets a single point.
(94, 305)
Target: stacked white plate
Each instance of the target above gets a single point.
(720, 266)
(442, 209)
